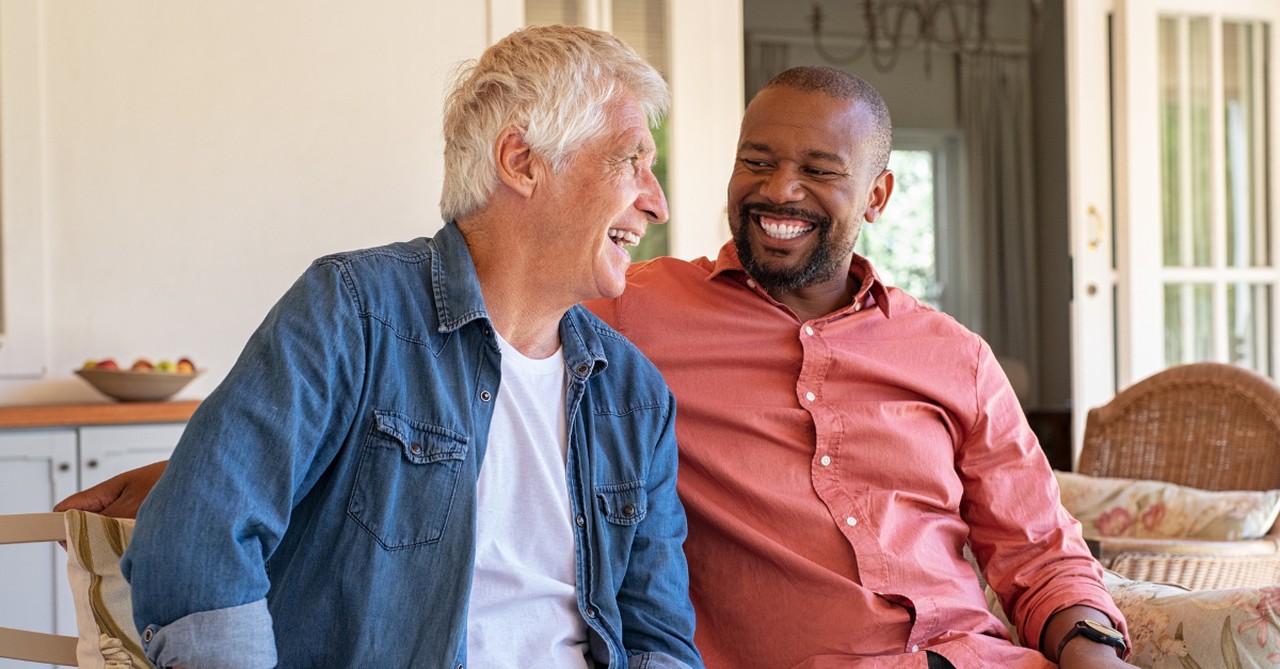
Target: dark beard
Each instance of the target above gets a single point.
(821, 265)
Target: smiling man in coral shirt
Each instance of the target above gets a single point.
(840, 442)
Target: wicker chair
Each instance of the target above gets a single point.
(1205, 425)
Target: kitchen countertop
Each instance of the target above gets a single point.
(115, 413)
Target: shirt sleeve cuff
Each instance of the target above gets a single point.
(237, 637)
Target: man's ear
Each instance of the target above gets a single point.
(516, 163)
(881, 189)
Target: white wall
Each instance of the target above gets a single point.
(171, 166)
(195, 156)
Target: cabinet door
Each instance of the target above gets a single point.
(107, 450)
(37, 469)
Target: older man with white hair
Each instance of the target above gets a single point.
(427, 455)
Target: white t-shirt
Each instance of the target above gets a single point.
(524, 604)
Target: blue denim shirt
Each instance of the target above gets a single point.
(320, 508)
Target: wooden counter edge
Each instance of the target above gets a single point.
(116, 413)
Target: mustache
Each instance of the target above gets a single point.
(783, 212)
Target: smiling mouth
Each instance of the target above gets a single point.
(623, 237)
(782, 228)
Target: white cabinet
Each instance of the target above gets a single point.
(39, 467)
(107, 450)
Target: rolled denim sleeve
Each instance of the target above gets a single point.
(657, 616)
(236, 638)
(196, 564)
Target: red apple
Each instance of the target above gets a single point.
(142, 365)
(106, 363)
(186, 366)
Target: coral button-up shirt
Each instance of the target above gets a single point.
(832, 471)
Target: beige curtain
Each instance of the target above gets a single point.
(995, 115)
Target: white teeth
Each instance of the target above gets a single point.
(779, 231)
(624, 238)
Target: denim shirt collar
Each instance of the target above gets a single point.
(459, 301)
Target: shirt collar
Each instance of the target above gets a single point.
(860, 269)
(454, 280)
(459, 301)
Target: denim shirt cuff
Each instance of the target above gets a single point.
(237, 637)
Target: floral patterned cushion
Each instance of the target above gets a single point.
(1183, 629)
(1108, 507)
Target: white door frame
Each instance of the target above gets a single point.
(1094, 278)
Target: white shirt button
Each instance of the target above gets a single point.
(850, 521)
(810, 396)
(857, 307)
(826, 460)
(751, 282)
(808, 329)
(915, 649)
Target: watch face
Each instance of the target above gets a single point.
(1104, 633)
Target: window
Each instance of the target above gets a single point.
(913, 245)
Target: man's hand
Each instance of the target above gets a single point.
(119, 496)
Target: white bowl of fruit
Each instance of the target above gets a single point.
(142, 382)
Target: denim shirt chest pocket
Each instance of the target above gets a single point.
(407, 480)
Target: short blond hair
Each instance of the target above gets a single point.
(552, 82)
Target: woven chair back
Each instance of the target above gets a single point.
(1206, 425)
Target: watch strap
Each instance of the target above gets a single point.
(1089, 630)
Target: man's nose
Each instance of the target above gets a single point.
(652, 201)
(781, 185)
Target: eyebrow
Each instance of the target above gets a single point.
(812, 154)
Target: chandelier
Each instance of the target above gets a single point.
(891, 26)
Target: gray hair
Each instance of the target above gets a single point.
(844, 86)
(552, 82)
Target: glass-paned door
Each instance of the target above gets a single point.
(1173, 193)
(1216, 268)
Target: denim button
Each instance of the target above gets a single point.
(485, 396)
(580, 520)
(416, 449)
(582, 369)
(628, 510)
(147, 634)
(591, 612)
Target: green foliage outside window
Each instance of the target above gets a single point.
(902, 245)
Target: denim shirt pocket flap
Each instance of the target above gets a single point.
(623, 503)
(421, 443)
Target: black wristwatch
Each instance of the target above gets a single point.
(1094, 631)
